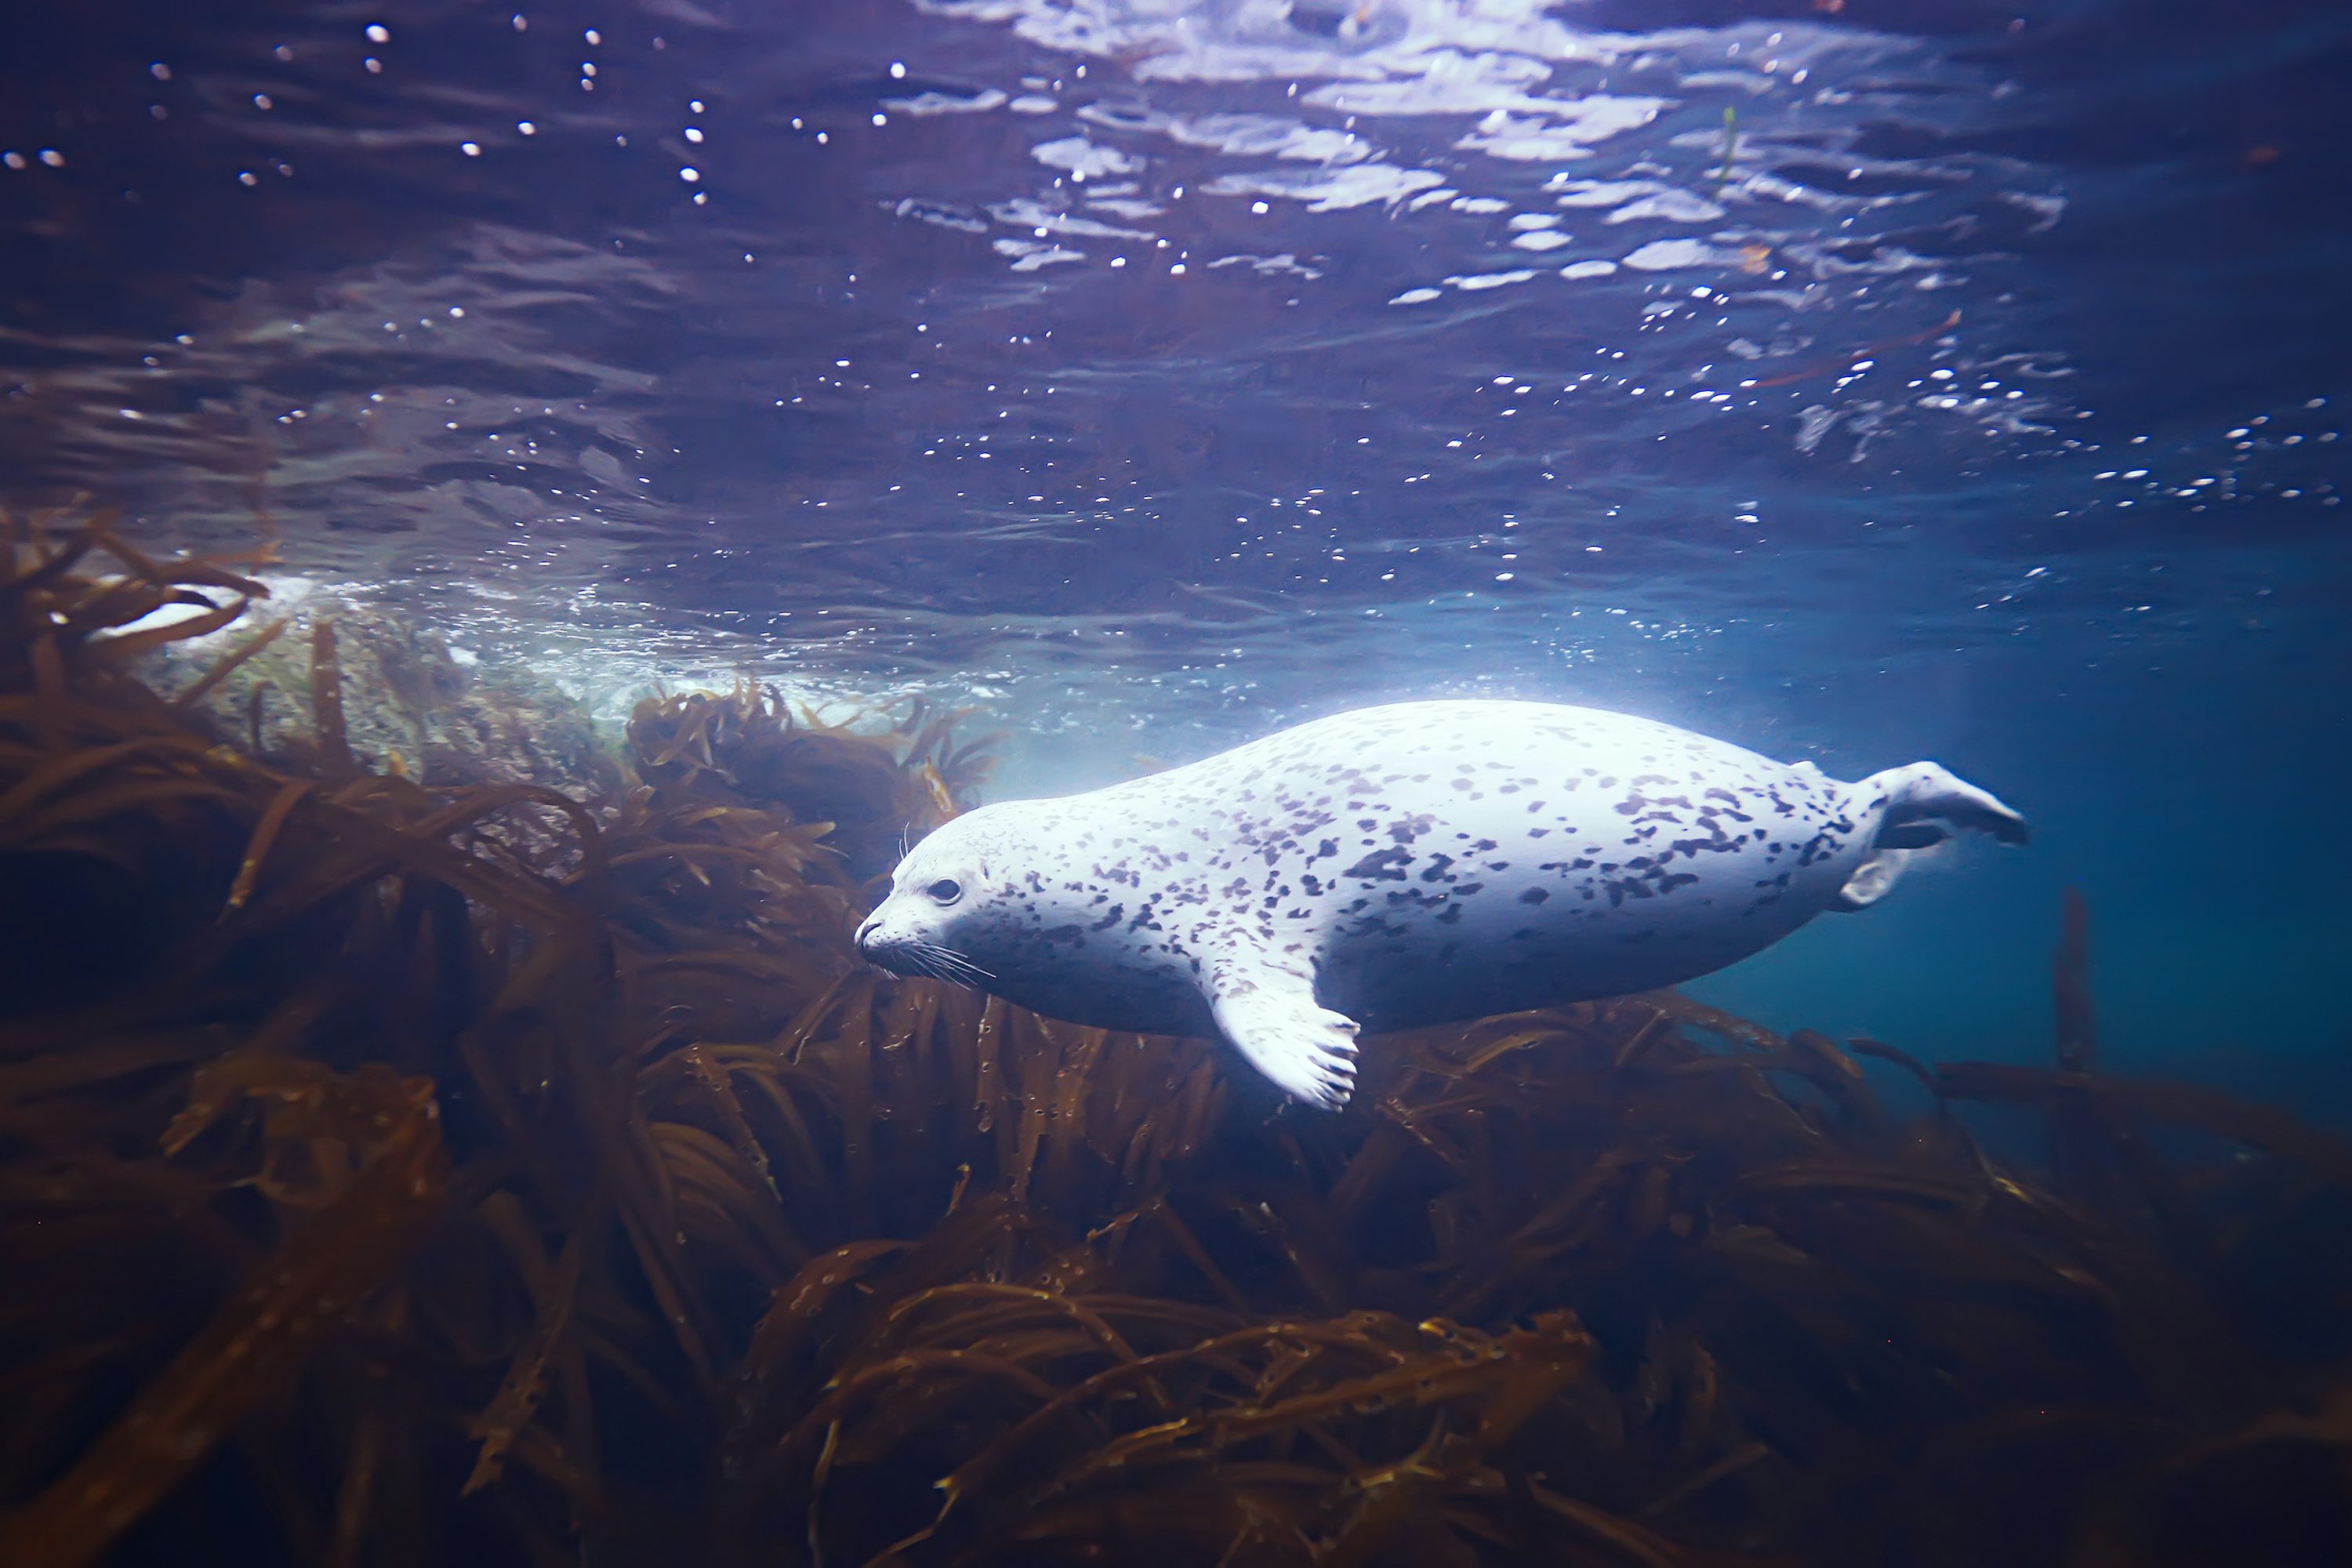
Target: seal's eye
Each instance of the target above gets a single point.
(947, 890)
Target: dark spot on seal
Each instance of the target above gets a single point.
(1382, 866)
(1410, 827)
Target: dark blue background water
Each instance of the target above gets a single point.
(1857, 380)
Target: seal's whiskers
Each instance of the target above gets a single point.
(937, 963)
(950, 964)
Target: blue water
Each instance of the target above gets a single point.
(1853, 381)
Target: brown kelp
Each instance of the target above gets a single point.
(393, 1173)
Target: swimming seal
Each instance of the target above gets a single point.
(1416, 863)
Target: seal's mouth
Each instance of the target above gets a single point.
(882, 953)
(910, 956)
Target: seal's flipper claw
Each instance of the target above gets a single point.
(1308, 1051)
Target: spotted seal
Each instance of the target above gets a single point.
(1396, 866)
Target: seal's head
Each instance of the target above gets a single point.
(943, 903)
(1017, 899)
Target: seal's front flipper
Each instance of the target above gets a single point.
(1271, 1016)
(1919, 796)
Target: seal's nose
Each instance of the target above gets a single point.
(865, 932)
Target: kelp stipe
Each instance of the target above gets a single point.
(395, 1174)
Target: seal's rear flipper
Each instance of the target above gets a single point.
(1921, 798)
(1271, 1016)
(1918, 806)
(1921, 835)
(1871, 881)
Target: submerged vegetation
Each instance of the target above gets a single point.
(395, 1174)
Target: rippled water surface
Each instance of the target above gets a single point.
(1855, 380)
